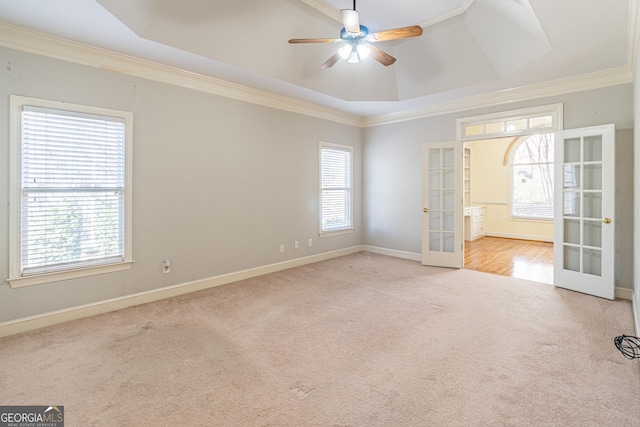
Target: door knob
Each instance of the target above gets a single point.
(425, 210)
(606, 220)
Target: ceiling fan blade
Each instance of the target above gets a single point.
(350, 20)
(398, 33)
(381, 56)
(294, 41)
(331, 61)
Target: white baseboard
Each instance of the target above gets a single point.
(392, 252)
(25, 324)
(624, 293)
(519, 236)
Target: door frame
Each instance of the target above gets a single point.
(510, 123)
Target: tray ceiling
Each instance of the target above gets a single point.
(469, 47)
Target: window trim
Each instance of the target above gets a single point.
(350, 228)
(512, 151)
(15, 279)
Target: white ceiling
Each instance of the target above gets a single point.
(469, 47)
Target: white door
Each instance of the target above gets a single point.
(584, 210)
(442, 218)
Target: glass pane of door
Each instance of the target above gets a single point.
(582, 204)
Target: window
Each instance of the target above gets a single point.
(70, 191)
(532, 177)
(335, 187)
(543, 119)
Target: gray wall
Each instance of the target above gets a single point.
(218, 184)
(393, 173)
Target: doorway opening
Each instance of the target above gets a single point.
(508, 192)
(509, 206)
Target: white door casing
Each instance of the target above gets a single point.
(442, 217)
(584, 219)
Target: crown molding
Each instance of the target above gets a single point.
(25, 40)
(581, 83)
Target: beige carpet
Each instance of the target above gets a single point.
(362, 340)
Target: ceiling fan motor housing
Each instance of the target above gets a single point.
(347, 36)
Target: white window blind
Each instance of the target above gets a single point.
(72, 212)
(532, 178)
(335, 183)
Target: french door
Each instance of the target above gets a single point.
(584, 226)
(442, 218)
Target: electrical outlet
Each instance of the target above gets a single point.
(310, 242)
(281, 248)
(166, 266)
(296, 244)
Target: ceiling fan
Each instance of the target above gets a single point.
(357, 40)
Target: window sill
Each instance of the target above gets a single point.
(336, 232)
(531, 219)
(40, 279)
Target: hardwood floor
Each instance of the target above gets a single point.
(522, 259)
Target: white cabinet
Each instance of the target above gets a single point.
(473, 222)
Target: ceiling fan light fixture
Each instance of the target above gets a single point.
(353, 57)
(363, 51)
(345, 51)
